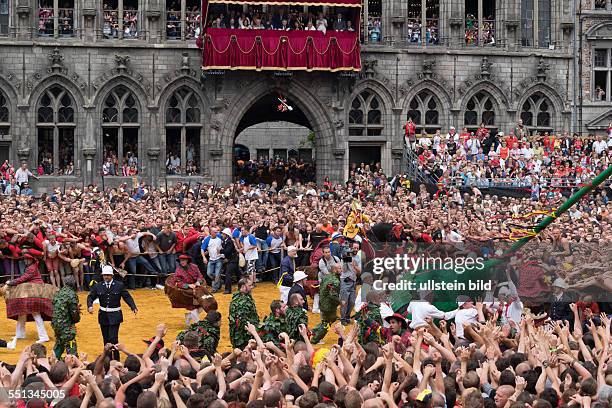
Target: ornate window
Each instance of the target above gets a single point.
(120, 128)
(183, 133)
(535, 23)
(365, 115)
(4, 110)
(479, 22)
(182, 19)
(536, 113)
(602, 74)
(4, 17)
(55, 125)
(120, 19)
(55, 19)
(479, 109)
(423, 22)
(4, 128)
(424, 111)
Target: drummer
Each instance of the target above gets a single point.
(33, 306)
(187, 275)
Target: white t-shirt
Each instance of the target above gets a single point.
(250, 250)
(420, 309)
(21, 176)
(52, 248)
(599, 146)
(132, 244)
(214, 248)
(465, 316)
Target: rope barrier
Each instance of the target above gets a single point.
(142, 274)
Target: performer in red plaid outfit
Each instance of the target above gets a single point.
(32, 301)
(186, 276)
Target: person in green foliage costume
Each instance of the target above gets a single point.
(66, 314)
(369, 319)
(329, 299)
(242, 310)
(208, 333)
(273, 324)
(296, 315)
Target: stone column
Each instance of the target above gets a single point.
(24, 155)
(567, 28)
(153, 154)
(153, 17)
(457, 22)
(89, 153)
(341, 171)
(88, 34)
(456, 26)
(23, 20)
(512, 34)
(396, 157)
(221, 174)
(398, 133)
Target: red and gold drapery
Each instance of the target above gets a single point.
(281, 50)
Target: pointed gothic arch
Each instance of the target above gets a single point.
(226, 124)
(121, 118)
(183, 127)
(55, 131)
(366, 114)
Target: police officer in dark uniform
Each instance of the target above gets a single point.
(110, 292)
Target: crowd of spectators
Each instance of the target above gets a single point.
(110, 25)
(280, 19)
(276, 170)
(495, 353)
(415, 33)
(173, 166)
(128, 166)
(65, 20)
(174, 22)
(483, 158)
(471, 31)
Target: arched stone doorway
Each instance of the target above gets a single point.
(259, 105)
(274, 139)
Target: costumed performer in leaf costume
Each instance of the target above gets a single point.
(66, 314)
(296, 315)
(273, 324)
(329, 300)
(370, 320)
(205, 333)
(242, 310)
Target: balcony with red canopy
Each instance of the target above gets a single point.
(281, 50)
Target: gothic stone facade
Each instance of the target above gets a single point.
(594, 66)
(439, 86)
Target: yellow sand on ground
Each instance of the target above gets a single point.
(154, 308)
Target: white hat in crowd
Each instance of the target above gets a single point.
(107, 270)
(299, 275)
(227, 231)
(560, 283)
